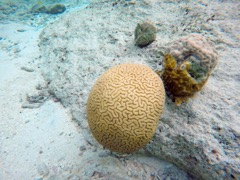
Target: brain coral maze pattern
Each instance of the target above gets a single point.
(124, 107)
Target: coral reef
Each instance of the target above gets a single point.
(145, 34)
(187, 66)
(124, 107)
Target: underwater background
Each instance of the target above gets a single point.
(53, 52)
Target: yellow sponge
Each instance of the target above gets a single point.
(180, 80)
(124, 107)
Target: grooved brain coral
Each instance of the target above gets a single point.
(124, 107)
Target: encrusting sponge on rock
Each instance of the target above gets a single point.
(187, 66)
(124, 107)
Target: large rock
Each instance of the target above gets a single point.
(202, 136)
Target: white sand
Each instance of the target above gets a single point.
(29, 136)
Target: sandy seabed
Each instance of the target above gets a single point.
(43, 140)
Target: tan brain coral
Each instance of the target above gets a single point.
(124, 107)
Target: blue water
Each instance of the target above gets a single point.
(36, 12)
